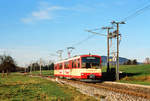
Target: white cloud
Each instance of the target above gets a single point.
(41, 15)
(44, 12)
(26, 20)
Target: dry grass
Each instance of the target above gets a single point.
(24, 88)
(137, 78)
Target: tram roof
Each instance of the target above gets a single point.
(72, 58)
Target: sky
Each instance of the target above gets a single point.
(34, 29)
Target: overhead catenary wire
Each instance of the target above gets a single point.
(95, 33)
(137, 12)
(89, 37)
(82, 41)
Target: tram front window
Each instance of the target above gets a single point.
(91, 62)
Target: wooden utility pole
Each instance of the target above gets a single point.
(117, 61)
(117, 65)
(40, 66)
(31, 68)
(108, 37)
(25, 69)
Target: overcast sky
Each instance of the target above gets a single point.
(34, 29)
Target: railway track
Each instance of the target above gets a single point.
(122, 89)
(138, 92)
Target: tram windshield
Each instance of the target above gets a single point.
(91, 62)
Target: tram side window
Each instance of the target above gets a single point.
(78, 63)
(73, 64)
(60, 66)
(66, 65)
(55, 67)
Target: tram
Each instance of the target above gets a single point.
(86, 68)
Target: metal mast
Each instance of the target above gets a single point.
(59, 52)
(69, 49)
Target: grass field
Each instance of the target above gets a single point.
(44, 72)
(136, 74)
(17, 87)
(138, 70)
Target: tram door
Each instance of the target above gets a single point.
(67, 70)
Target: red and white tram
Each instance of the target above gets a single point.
(83, 67)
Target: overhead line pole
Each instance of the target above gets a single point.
(40, 66)
(117, 34)
(117, 71)
(59, 52)
(69, 51)
(30, 68)
(108, 37)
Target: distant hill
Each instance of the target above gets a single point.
(121, 60)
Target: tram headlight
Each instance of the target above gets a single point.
(82, 74)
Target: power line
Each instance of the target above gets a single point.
(78, 43)
(89, 37)
(82, 41)
(95, 33)
(138, 12)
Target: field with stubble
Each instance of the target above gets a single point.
(18, 87)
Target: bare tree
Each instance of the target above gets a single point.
(7, 64)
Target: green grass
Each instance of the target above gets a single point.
(136, 74)
(139, 70)
(17, 87)
(140, 74)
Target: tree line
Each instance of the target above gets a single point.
(36, 67)
(8, 65)
(131, 62)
